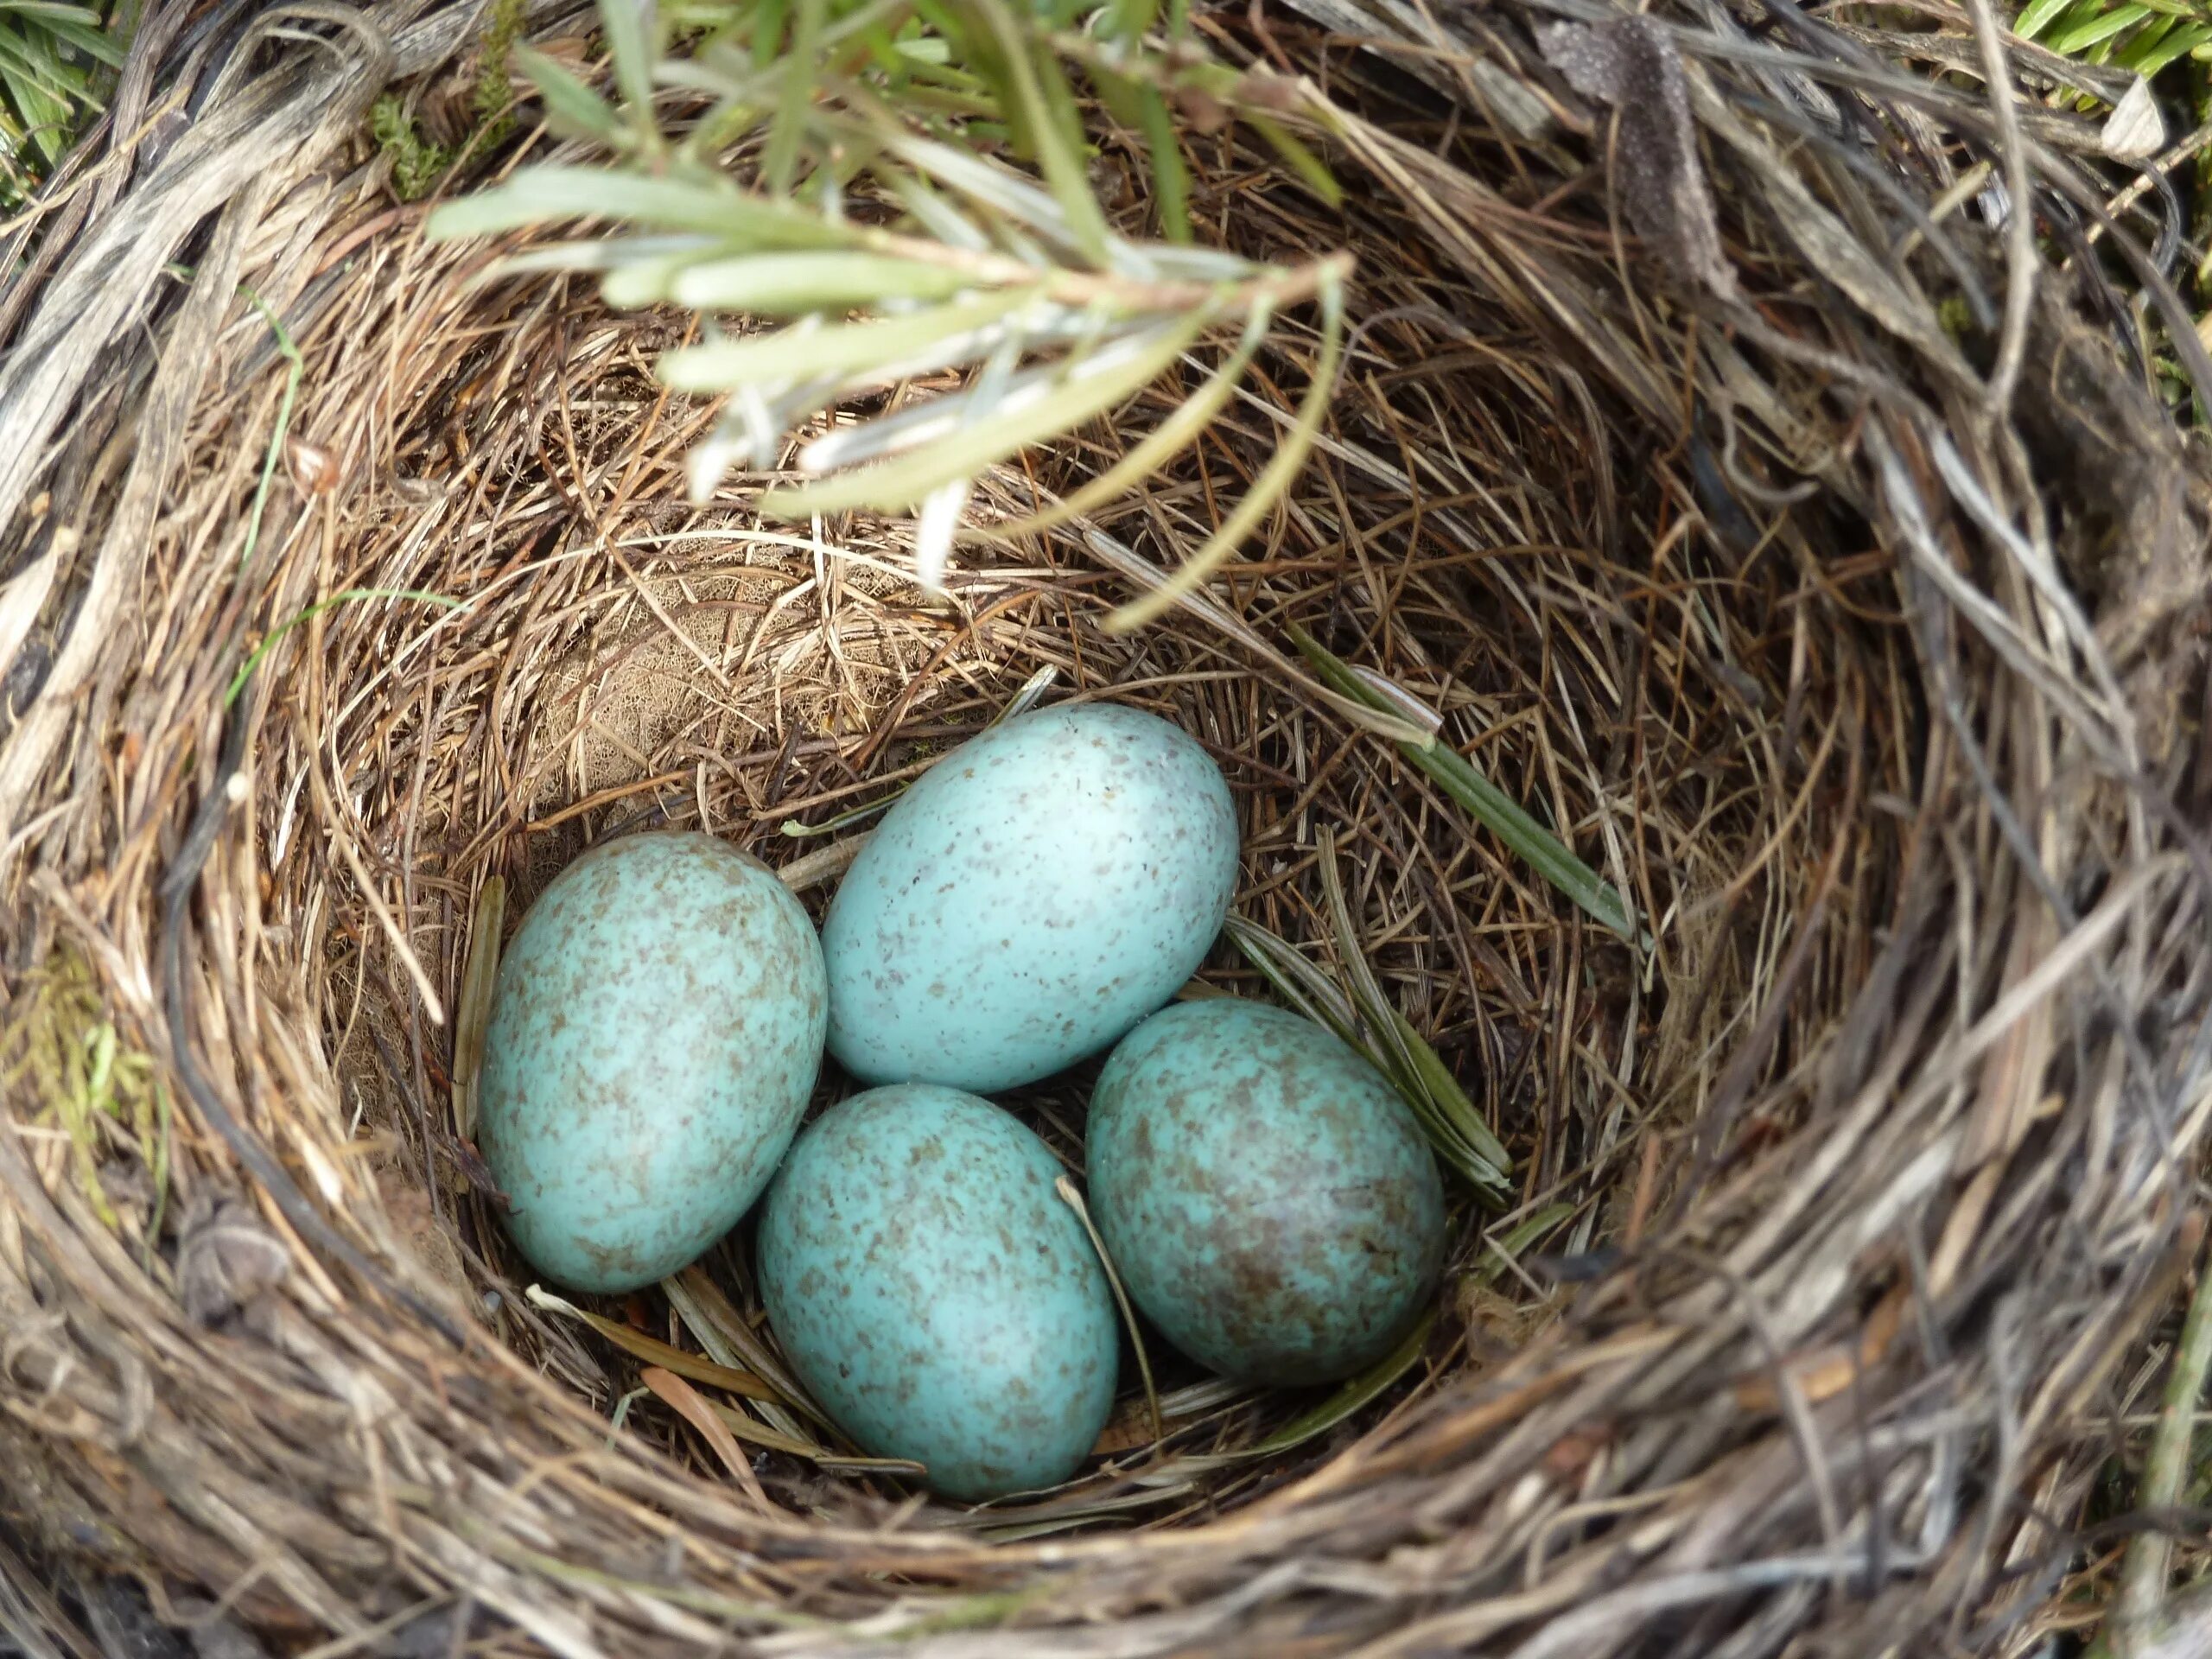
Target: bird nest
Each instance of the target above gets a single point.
(1745, 460)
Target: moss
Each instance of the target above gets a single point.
(493, 102)
(98, 1090)
(416, 161)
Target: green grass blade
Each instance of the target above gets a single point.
(1306, 988)
(1303, 161)
(1050, 124)
(1351, 1395)
(87, 38)
(40, 91)
(2118, 21)
(1452, 1103)
(2039, 15)
(605, 254)
(50, 11)
(2171, 47)
(779, 164)
(1524, 1233)
(1356, 1019)
(1450, 1118)
(344, 596)
(1457, 776)
(641, 282)
(767, 30)
(1171, 179)
(1132, 20)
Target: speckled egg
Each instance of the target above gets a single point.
(1268, 1200)
(654, 1037)
(1035, 893)
(935, 1295)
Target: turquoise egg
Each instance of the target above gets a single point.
(935, 1294)
(1267, 1199)
(655, 1033)
(1035, 893)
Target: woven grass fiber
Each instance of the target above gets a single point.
(1746, 490)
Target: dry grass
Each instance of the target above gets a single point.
(1853, 1192)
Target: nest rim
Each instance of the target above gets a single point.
(1771, 1378)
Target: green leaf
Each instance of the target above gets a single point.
(1167, 440)
(51, 11)
(1133, 19)
(613, 253)
(1310, 991)
(42, 91)
(1550, 857)
(2117, 20)
(631, 27)
(1303, 161)
(637, 284)
(2145, 39)
(2038, 16)
(791, 354)
(768, 31)
(538, 194)
(1119, 94)
(939, 20)
(784, 284)
(1063, 168)
(1404, 1055)
(2172, 47)
(895, 484)
(88, 39)
(721, 129)
(1267, 489)
(570, 103)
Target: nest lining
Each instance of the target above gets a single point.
(1830, 1170)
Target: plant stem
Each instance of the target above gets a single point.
(2144, 1573)
(296, 368)
(1073, 1199)
(1279, 290)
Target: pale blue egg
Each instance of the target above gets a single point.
(655, 1035)
(1038, 892)
(935, 1293)
(1267, 1198)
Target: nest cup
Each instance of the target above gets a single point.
(1817, 567)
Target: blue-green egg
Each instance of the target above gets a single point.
(935, 1295)
(655, 1033)
(1037, 892)
(1267, 1199)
